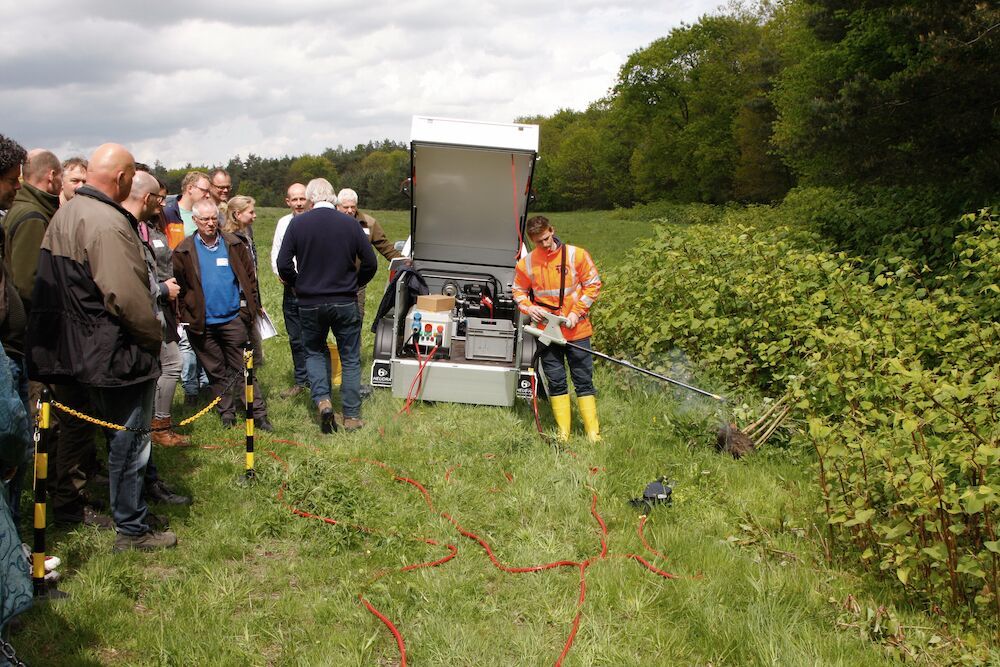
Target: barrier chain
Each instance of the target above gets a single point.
(132, 429)
(10, 654)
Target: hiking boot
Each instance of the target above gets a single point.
(159, 492)
(293, 391)
(150, 541)
(191, 400)
(352, 423)
(166, 437)
(326, 422)
(228, 421)
(263, 424)
(90, 518)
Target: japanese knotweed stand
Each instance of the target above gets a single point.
(582, 566)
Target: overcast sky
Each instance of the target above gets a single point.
(200, 82)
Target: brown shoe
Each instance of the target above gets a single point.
(353, 423)
(326, 420)
(293, 391)
(167, 438)
(146, 542)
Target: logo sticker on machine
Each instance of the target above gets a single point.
(523, 385)
(381, 374)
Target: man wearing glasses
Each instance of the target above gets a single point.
(195, 187)
(220, 186)
(218, 300)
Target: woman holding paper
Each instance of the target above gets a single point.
(240, 215)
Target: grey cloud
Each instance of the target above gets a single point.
(200, 82)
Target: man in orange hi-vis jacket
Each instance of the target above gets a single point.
(562, 279)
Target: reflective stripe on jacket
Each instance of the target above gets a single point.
(537, 281)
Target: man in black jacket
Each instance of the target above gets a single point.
(326, 257)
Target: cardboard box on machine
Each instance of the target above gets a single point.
(435, 303)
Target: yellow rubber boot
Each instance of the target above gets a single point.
(588, 413)
(561, 412)
(336, 370)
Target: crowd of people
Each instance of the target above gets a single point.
(113, 293)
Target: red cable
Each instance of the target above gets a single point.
(422, 363)
(642, 537)
(496, 562)
(453, 550)
(534, 401)
(604, 527)
(392, 629)
(517, 218)
(420, 487)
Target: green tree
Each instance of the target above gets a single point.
(307, 167)
(894, 92)
(678, 101)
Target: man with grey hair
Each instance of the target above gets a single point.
(347, 202)
(326, 258)
(28, 218)
(218, 300)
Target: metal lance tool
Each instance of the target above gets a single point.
(553, 334)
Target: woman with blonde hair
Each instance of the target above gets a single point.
(240, 215)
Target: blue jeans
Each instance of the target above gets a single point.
(344, 320)
(127, 452)
(293, 325)
(193, 376)
(581, 368)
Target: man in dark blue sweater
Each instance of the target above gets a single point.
(333, 259)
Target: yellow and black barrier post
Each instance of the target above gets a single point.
(43, 432)
(248, 374)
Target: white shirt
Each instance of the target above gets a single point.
(279, 235)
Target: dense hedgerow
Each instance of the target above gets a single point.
(895, 369)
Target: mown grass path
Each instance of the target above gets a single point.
(253, 583)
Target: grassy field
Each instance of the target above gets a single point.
(253, 584)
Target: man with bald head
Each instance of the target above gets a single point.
(28, 217)
(297, 202)
(94, 322)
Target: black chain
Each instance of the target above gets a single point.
(10, 654)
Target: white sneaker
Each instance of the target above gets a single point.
(51, 562)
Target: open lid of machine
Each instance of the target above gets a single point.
(470, 189)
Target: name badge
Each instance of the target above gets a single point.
(222, 261)
(157, 243)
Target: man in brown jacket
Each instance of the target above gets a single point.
(93, 321)
(347, 202)
(218, 303)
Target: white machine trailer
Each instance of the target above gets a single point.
(469, 195)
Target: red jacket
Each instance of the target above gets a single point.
(539, 275)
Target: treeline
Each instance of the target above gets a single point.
(892, 102)
(374, 170)
(745, 105)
